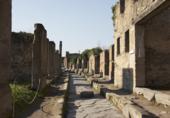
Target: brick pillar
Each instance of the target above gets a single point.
(39, 57)
(5, 37)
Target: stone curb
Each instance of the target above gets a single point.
(64, 99)
(152, 95)
(128, 108)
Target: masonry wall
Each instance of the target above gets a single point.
(21, 57)
(129, 67)
(157, 50)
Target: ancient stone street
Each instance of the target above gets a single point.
(96, 107)
(85, 59)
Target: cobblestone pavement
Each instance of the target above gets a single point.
(96, 107)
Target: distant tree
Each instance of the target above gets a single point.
(73, 59)
(88, 52)
(84, 55)
(114, 15)
(96, 51)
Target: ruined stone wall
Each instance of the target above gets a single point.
(129, 70)
(111, 63)
(21, 57)
(5, 38)
(157, 50)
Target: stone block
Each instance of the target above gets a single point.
(133, 111)
(147, 93)
(162, 98)
(138, 91)
(117, 100)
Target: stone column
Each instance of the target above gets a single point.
(57, 62)
(97, 64)
(5, 37)
(60, 46)
(39, 57)
(46, 54)
(67, 60)
(52, 58)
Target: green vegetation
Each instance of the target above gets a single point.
(73, 59)
(94, 51)
(85, 54)
(22, 96)
(114, 14)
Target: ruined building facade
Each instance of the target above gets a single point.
(142, 29)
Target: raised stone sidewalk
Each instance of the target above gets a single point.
(143, 103)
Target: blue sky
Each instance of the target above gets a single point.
(80, 24)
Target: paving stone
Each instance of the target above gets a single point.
(96, 107)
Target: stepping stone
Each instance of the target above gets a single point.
(87, 94)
